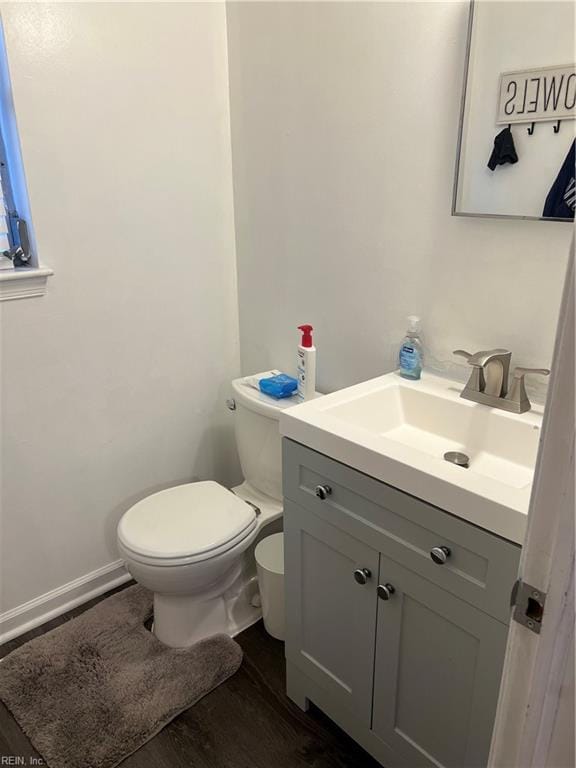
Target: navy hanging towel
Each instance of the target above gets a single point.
(562, 197)
(504, 150)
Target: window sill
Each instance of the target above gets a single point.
(23, 283)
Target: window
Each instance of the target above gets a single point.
(14, 243)
(5, 241)
(21, 276)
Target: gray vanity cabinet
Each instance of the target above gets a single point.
(403, 653)
(437, 673)
(327, 603)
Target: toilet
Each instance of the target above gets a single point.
(193, 545)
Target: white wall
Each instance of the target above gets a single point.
(344, 130)
(113, 383)
(509, 37)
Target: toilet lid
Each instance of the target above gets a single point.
(186, 520)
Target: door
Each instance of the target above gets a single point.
(532, 726)
(330, 607)
(437, 673)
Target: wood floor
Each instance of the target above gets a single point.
(247, 722)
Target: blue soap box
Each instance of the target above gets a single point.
(279, 386)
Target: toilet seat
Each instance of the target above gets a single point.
(186, 560)
(186, 524)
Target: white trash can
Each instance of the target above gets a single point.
(269, 555)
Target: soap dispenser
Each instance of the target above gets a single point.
(411, 353)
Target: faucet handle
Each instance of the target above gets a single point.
(520, 372)
(462, 353)
(518, 393)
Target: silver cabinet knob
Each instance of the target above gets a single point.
(362, 575)
(323, 491)
(385, 591)
(231, 404)
(440, 554)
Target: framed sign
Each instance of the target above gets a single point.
(536, 95)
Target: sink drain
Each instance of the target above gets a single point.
(460, 459)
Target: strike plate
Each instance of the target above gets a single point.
(528, 602)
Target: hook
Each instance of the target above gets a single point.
(557, 127)
(531, 129)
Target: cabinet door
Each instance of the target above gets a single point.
(330, 617)
(437, 674)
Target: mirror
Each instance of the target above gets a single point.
(518, 110)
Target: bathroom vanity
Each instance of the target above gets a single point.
(397, 597)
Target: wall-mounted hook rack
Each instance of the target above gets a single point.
(531, 129)
(557, 127)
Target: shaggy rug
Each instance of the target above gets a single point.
(91, 692)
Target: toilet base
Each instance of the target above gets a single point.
(182, 620)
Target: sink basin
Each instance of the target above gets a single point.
(499, 447)
(399, 430)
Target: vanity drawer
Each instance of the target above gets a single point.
(481, 567)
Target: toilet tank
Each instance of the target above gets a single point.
(256, 424)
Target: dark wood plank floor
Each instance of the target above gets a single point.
(247, 722)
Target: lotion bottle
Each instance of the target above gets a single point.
(306, 364)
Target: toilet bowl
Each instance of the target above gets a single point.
(193, 545)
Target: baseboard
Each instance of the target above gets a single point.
(56, 602)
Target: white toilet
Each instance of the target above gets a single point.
(193, 545)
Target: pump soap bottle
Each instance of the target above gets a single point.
(306, 364)
(411, 353)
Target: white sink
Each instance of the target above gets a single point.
(398, 431)
(498, 446)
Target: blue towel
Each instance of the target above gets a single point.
(562, 197)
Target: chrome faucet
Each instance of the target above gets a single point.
(488, 382)
(490, 370)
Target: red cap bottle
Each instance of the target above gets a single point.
(306, 364)
(306, 335)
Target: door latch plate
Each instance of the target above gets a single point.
(528, 602)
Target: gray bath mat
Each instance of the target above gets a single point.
(94, 690)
